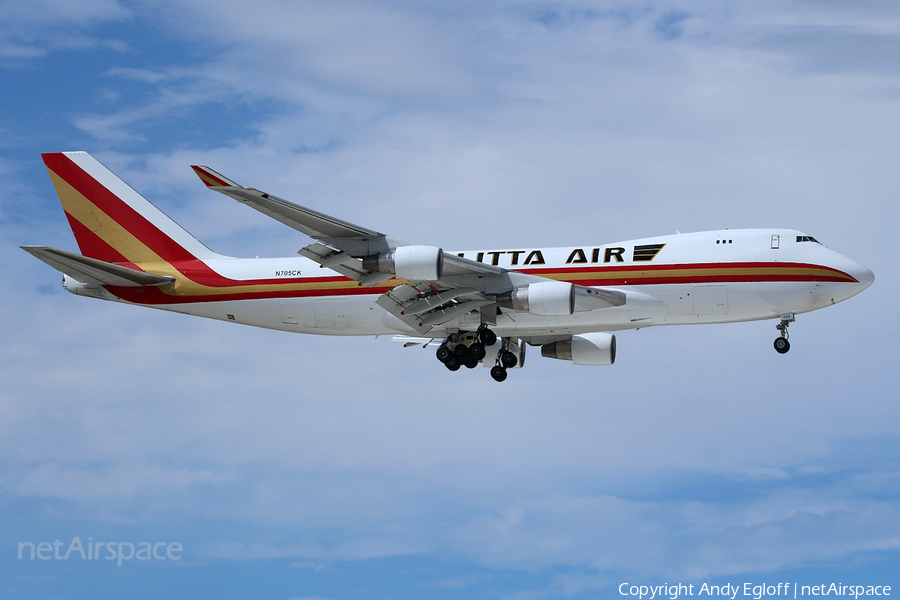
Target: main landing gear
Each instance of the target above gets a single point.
(782, 345)
(467, 349)
(505, 360)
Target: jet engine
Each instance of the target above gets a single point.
(596, 348)
(415, 263)
(546, 298)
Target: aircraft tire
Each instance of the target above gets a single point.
(461, 352)
(453, 363)
(782, 345)
(487, 337)
(498, 373)
(443, 353)
(477, 351)
(508, 360)
(471, 363)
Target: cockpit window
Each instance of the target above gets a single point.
(807, 238)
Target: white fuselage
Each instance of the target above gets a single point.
(707, 277)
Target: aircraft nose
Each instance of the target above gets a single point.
(863, 275)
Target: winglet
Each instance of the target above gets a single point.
(211, 178)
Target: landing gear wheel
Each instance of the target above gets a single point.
(498, 373)
(487, 337)
(782, 345)
(453, 363)
(443, 353)
(508, 360)
(477, 351)
(471, 363)
(461, 352)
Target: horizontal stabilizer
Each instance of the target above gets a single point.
(94, 271)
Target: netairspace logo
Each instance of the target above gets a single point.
(117, 551)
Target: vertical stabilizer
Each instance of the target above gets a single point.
(110, 220)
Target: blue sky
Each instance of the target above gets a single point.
(320, 468)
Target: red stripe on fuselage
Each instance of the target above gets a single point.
(155, 296)
(638, 273)
(197, 271)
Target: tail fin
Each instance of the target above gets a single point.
(110, 220)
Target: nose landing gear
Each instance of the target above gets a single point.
(782, 345)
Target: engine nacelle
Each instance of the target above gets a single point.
(596, 348)
(546, 298)
(416, 263)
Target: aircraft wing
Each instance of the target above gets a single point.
(352, 239)
(94, 271)
(463, 285)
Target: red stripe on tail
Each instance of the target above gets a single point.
(117, 210)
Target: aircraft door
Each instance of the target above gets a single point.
(332, 313)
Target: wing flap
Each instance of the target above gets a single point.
(434, 301)
(396, 300)
(343, 263)
(442, 315)
(94, 271)
(423, 312)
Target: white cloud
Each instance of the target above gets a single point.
(32, 29)
(143, 75)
